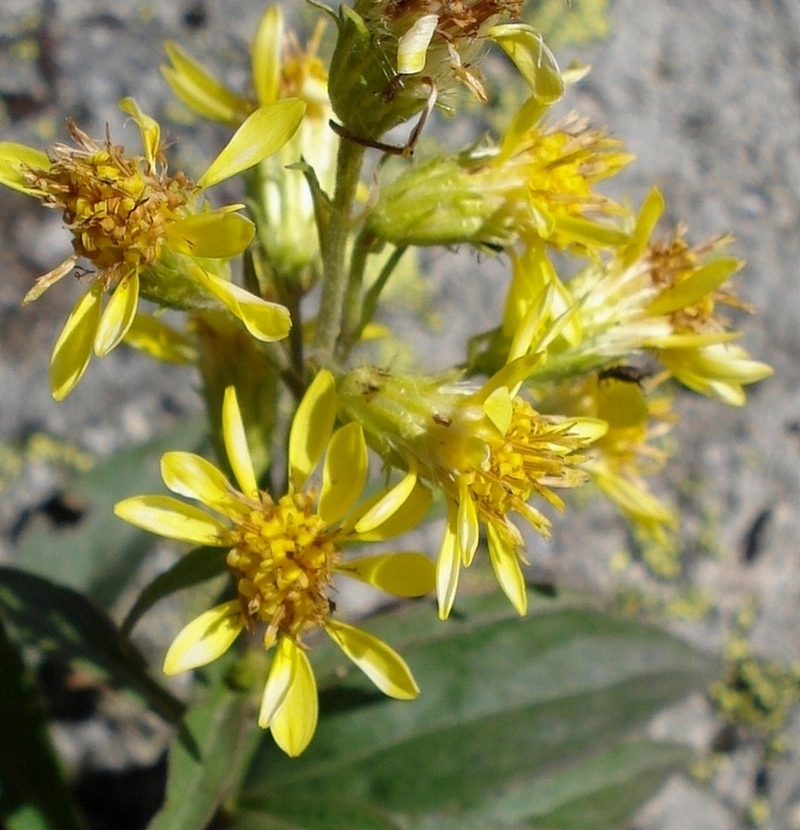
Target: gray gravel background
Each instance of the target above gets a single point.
(706, 94)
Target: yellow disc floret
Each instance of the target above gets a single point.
(283, 559)
(534, 454)
(117, 208)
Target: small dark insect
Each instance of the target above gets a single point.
(62, 510)
(754, 538)
(628, 374)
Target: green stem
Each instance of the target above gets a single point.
(333, 244)
(370, 301)
(351, 311)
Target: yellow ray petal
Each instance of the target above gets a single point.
(200, 90)
(468, 529)
(499, 407)
(536, 63)
(281, 675)
(264, 132)
(14, 159)
(448, 565)
(311, 428)
(148, 127)
(701, 284)
(507, 570)
(265, 321)
(405, 517)
(266, 55)
(294, 722)
(192, 476)
(155, 338)
(401, 574)
(633, 497)
(215, 234)
(173, 519)
(527, 116)
(235, 439)
(344, 472)
(412, 47)
(118, 316)
(382, 664)
(591, 233)
(388, 504)
(205, 638)
(73, 349)
(50, 278)
(651, 210)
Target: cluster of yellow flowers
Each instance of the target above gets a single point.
(573, 375)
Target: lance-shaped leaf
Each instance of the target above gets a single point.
(521, 722)
(51, 617)
(33, 789)
(97, 553)
(218, 739)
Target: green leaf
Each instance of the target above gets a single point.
(603, 791)
(309, 811)
(54, 618)
(99, 553)
(506, 704)
(198, 566)
(33, 791)
(219, 733)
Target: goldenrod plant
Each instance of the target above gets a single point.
(331, 463)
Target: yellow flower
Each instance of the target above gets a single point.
(397, 58)
(662, 297)
(144, 232)
(284, 553)
(667, 294)
(619, 461)
(284, 209)
(536, 185)
(488, 450)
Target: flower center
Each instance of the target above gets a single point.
(461, 20)
(117, 208)
(674, 261)
(559, 167)
(283, 561)
(533, 455)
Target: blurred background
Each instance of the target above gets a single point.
(706, 95)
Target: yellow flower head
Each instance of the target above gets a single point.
(281, 69)
(285, 552)
(662, 297)
(488, 450)
(620, 461)
(538, 184)
(395, 58)
(143, 231)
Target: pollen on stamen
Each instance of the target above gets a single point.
(117, 207)
(283, 561)
(534, 455)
